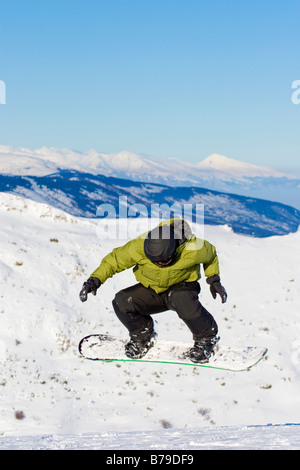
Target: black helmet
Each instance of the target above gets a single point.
(160, 245)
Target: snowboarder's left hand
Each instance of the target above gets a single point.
(217, 288)
(91, 285)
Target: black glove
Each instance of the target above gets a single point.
(217, 288)
(91, 285)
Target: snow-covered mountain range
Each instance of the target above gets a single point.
(51, 398)
(216, 172)
(129, 165)
(79, 184)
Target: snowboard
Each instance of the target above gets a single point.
(109, 348)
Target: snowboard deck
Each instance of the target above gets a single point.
(108, 348)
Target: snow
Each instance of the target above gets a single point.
(51, 398)
(156, 443)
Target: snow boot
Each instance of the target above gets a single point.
(203, 349)
(139, 345)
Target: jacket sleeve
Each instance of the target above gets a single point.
(121, 258)
(210, 259)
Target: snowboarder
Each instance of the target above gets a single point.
(166, 263)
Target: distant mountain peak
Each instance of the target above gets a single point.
(217, 162)
(217, 159)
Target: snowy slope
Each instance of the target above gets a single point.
(48, 391)
(151, 446)
(216, 172)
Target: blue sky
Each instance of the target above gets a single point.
(169, 78)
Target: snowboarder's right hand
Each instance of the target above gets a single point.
(91, 285)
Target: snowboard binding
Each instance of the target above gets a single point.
(203, 349)
(136, 348)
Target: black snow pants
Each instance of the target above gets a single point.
(135, 305)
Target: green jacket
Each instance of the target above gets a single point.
(189, 256)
